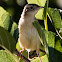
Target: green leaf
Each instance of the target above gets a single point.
(6, 40)
(50, 38)
(47, 37)
(6, 57)
(25, 53)
(18, 46)
(58, 46)
(2, 11)
(7, 23)
(5, 19)
(55, 17)
(60, 31)
(42, 35)
(14, 31)
(43, 59)
(39, 15)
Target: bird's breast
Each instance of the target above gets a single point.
(28, 36)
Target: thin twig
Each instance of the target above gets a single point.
(42, 51)
(55, 28)
(58, 34)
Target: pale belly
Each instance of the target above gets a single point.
(29, 38)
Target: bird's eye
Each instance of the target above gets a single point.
(31, 7)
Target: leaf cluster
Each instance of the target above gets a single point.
(51, 40)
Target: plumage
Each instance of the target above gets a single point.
(28, 35)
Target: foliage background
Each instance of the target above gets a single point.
(10, 11)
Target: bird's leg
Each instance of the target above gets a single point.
(21, 56)
(21, 51)
(38, 55)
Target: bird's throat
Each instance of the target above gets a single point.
(28, 17)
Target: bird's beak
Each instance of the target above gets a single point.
(36, 10)
(41, 7)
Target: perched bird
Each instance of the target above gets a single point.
(28, 35)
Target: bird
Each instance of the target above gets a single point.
(28, 35)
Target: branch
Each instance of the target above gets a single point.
(21, 56)
(42, 51)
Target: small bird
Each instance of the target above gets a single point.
(28, 35)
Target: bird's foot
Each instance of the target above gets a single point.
(39, 58)
(37, 51)
(21, 51)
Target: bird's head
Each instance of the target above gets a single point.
(31, 9)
